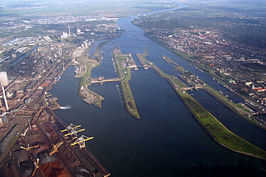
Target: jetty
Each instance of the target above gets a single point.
(123, 65)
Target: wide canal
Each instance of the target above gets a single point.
(167, 141)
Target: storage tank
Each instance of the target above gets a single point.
(3, 78)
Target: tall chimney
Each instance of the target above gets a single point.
(4, 82)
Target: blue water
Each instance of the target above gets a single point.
(167, 141)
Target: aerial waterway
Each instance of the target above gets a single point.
(167, 141)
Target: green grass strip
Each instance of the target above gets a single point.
(218, 131)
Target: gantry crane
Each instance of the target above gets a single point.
(81, 141)
(29, 147)
(74, 132)
(36, 164)
(71, 127)
(55, 148)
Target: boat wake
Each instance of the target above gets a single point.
(65, 107)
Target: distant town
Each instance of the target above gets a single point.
(238, 66)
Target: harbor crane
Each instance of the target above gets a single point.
(73, 130)
(36, 164)
(30, 147)
(74, 133)
(81, 141)
(71, 127)
(55, 148)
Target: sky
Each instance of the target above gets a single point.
(106, 3)
(100, 1)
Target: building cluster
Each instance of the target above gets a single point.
(18, 47)
(30, 63)
(15, 23)
(128, 61)
(225, 59)
(27, 75)
(68, 19)
(34, 63)
(12, 48)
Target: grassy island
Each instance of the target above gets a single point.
(123, 64)
(218, 131)
(213, 127)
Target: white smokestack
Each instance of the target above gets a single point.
(3, 78)
(4, 82)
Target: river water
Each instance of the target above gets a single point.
(167, 141)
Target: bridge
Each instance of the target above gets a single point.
(102, 81)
